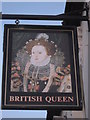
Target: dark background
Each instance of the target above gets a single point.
(61, 38)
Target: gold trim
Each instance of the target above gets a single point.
(75, 69)
(6, 66)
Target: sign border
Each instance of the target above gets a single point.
(8, 27)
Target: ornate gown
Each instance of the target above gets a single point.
(52, 77)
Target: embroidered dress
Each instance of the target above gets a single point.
(37, 78)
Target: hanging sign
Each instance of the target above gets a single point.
(40, 68)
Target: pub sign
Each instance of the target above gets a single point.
(40, 68)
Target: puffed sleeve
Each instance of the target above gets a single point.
(16, 79)
(63, 79)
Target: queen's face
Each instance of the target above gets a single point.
(39, 53)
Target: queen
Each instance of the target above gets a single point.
(42, 71)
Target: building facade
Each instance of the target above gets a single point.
(83, 39)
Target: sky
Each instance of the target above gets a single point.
(30, 8)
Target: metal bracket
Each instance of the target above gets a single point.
(65, 16)
(17, 22)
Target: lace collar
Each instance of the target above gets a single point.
(43, 63)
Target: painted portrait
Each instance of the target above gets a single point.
(40, 66)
